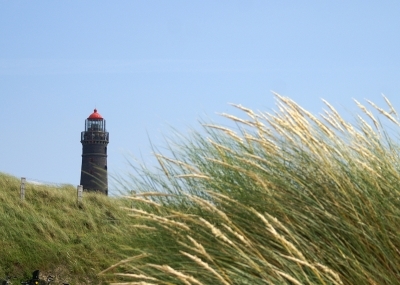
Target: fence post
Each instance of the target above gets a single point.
(22, 191)
(133, 193)
(80, 191)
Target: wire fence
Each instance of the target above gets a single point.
(42, 182)
(24, 181)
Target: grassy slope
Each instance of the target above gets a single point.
(48, 231)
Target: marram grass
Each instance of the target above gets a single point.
(50, 232)
(285, 198)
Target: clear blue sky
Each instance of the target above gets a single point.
(148, 65)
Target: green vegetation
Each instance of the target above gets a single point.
(50, 232)
(284, 198)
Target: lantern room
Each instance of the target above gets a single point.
(95, 129)
(95, 123)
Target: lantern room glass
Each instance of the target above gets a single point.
(95, 125)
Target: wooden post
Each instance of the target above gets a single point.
(23, 180)
(80, 191)
(133, 194)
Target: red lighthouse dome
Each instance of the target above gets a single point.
(95, 115)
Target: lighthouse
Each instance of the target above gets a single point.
(94, 154)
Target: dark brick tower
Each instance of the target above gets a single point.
(94, 154)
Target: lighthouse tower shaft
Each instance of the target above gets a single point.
(94, 141)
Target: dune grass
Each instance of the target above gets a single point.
(285, 198)
(49, 231)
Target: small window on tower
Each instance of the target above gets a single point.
(91, 159)
(105, 167)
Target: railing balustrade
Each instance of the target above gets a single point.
(94, 136)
